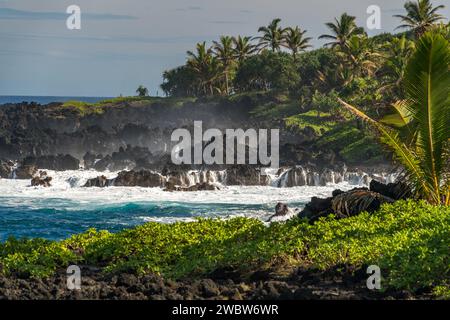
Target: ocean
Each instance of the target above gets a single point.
(47, 99)
(67, 208)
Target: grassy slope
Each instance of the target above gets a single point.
(408, 240)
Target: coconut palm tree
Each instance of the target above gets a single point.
(243, 48)
(295, 40)
(426, 112)
(225, 53)
(360, 55)
(205, 66)
(272, 36)
(420, 16)
(142, 91)
(342, 30)
(397, 54)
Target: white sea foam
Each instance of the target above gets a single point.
(67, 193)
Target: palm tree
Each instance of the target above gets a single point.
(142, 91)
(360, 55)
(295, 40)
(426, 113)
(398, 52)
(342, 30)
(243, 48)
(420, 16)
(225, 53)
(272, 36)
(205, 66)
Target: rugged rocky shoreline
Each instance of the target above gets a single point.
(297, 284)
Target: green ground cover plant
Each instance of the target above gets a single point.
(409, 241)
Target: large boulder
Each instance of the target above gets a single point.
(43, 180)
(142, 178)
(316, 207)
(246, 175)
(344, 204)
(354, 202)
(396, 191)
(99, 182)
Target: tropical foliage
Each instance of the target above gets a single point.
(421, 16)
(425, 114)
(408, 240)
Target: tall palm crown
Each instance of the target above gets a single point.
(397, 53)
(295, 40)
(425, 112)
(420, 16)
(205, 65)
(272, 35)
(243, 48)
(360, 55)
(225, 53)
(342, 30)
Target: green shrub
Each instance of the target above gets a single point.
(408, 240)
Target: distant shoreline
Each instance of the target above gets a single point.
(48, 99)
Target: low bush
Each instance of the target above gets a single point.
(408, 240)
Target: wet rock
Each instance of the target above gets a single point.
(281, 210)
(142, 178)
(89, 160)
(344, 204)
(246, 175)
(6, 169)
(25, 172)
(316, 207)
(100, 182)
(356, 201)
(396, 191)
(42, 180)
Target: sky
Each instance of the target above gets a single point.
(123, 44)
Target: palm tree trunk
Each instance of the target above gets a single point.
(227, 88)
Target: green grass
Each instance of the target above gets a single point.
(84, 108)
(408, 240)
(320, 123)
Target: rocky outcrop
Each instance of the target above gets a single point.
(99, 182)
(142, 178)
(353, 202)
(43, 180)
(282, 210)
(25, 172)
(6, 169)
(246, 175)
(350, 203)
(396, 191)
(125, 158)
(58, 162)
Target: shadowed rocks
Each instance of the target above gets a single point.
(53, 162)
(43, 180)
(353, 202)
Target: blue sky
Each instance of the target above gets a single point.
(123, 44)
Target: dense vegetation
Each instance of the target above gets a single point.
(419, 135)
(371, 73)
(407, 73)
(408, 240)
